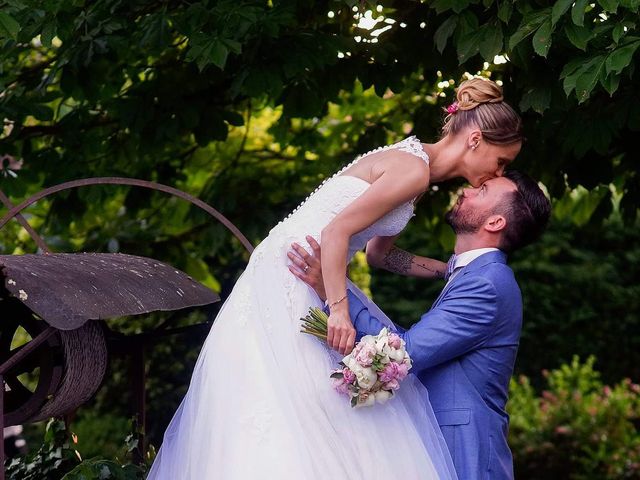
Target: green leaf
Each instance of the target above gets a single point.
(219, 54)
(530, 23)
(467, 24)
(610, 83)
(618, 32)
(233, 45)
(456, 5)
(589, 77)
(578, 11)
(9, 28)
(505, 10)
(570, 74)
(578, 35)
(537, 99)
(460, 5)
(444, 31)
(559, 9)
(491, 42)
(542, 39)
(609, 5)
(621, 57)
(572, 67)
(469, 45)
(48, 32)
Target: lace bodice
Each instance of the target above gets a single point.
(335, 194)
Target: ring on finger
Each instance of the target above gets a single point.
(306, 267)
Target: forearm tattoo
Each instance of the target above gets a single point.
(400, 261)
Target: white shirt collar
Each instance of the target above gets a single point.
(465, 258)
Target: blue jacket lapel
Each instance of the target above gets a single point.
(485, 259)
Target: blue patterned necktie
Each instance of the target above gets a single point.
(451, 264)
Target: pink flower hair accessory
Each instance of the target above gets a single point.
(453, 108)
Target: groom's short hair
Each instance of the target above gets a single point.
(527, 211)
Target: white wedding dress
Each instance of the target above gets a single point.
(260, 404)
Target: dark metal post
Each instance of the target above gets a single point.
(138, 378)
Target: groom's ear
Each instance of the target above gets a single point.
(495, 223)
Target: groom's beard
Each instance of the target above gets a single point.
(464, 222)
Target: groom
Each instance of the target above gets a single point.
(464, 348)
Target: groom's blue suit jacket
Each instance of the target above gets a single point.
(463, 351)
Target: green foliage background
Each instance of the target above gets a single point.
(250, 104)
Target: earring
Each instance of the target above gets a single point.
(474, 146)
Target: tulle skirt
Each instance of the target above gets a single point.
(260, 403)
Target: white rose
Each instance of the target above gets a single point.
(349, 361)
(397, 355)
(382, 396)
(366, 399)
(368, 340)
(366, 377)
(381, 343)
(407, 360)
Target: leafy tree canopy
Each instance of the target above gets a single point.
(137, 87)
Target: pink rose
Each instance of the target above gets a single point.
(393, 372)
(403, 371)
(392, 385)
(349, 376)
(365, 355)
(395, 341)
(340, 386)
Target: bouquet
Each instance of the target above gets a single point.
(372, 372)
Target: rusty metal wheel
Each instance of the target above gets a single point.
(29, 383)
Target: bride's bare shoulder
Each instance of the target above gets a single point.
(402, 165)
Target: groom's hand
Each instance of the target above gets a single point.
(307, 266)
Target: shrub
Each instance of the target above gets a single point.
(58, 459)
(578, 429)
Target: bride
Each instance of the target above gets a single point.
(260, 403)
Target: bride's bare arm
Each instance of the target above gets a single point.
(382, 253)
(398, 180)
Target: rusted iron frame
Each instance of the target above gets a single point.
(22, 221)
(137, 360)
(130, 182)
(27, 349)
(8, 365)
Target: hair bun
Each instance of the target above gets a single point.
(476, 91)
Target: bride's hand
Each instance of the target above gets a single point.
(341, 335)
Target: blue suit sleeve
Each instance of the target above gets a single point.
(363, 321)
(463, 321)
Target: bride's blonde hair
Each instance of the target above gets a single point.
(480, 103)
